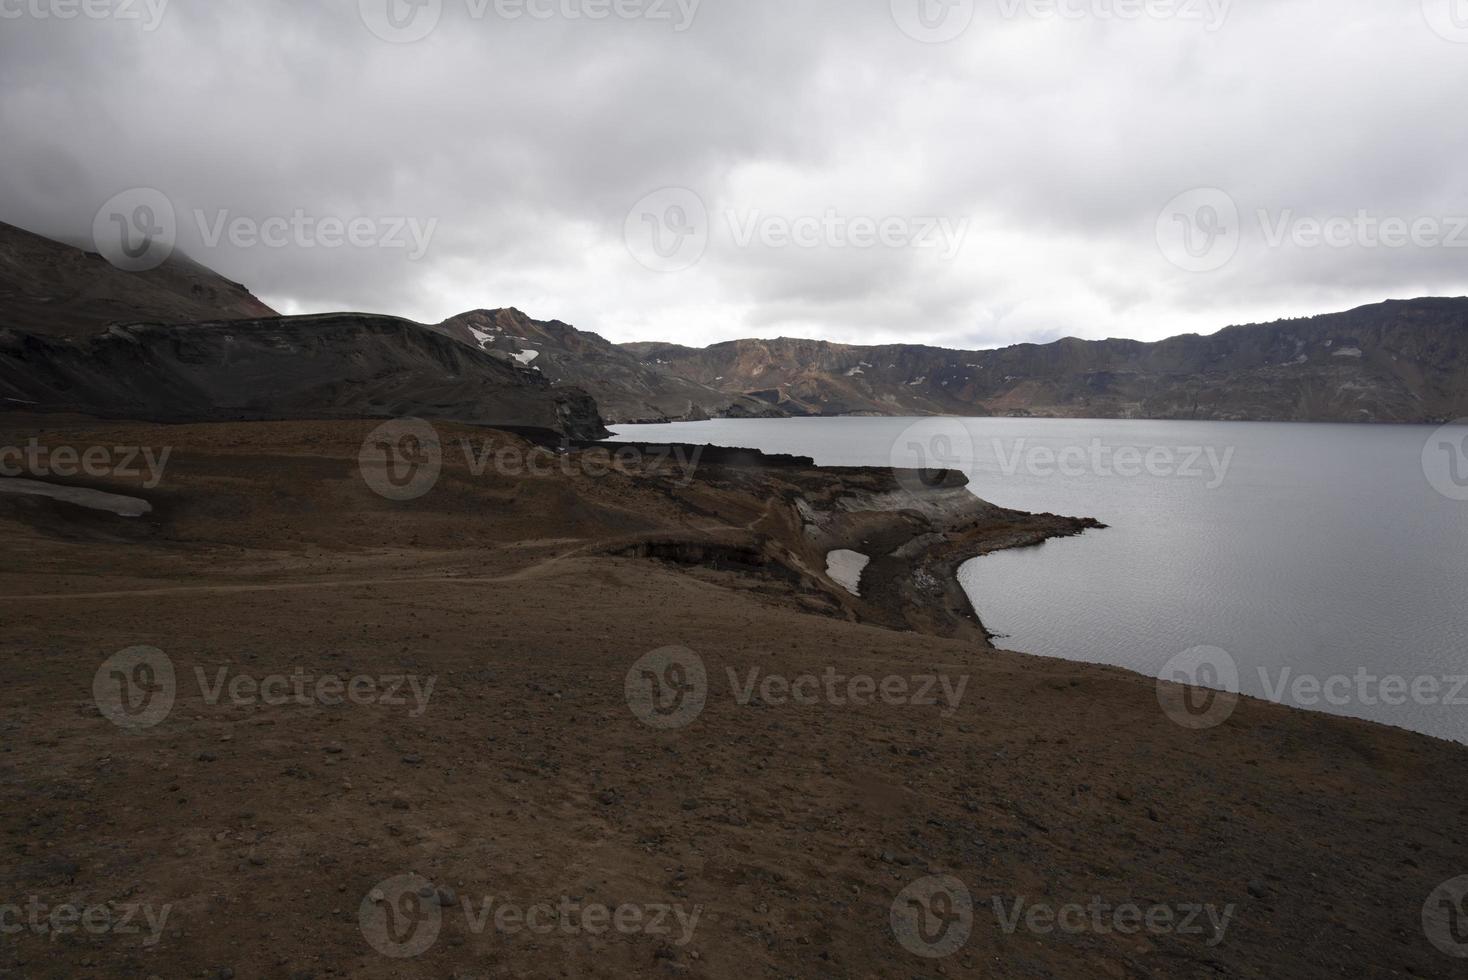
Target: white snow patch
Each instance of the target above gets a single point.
(526, 356)
(92, 499)
(1347, 352)
(845, 568)
(854, 372)
(484, 339)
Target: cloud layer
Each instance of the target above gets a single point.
(699, 171)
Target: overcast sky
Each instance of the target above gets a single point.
(959, 172)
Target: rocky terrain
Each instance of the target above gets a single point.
(56, 290)
(625, 389)
(206, 820)
(1400, 361)
(308, 367)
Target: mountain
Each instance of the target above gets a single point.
(332, 366)
(1398, 361)
(183, 344)
(60, 291)
(626, 389)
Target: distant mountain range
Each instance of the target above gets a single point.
(1398, 361)
(181, 343)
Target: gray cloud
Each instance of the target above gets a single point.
(1057, 141)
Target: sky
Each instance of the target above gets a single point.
(964, 173)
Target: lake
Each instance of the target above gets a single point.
(1326, 566)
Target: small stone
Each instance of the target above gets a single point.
(413, 760)
(1256, 889)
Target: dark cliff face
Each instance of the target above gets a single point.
(626, 389)
(1400, 361)
(60, 291)
(310, 367)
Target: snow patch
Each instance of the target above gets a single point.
(854, 372)
(93, 499)
(1347, 352)
(484, 339)
(526, 356)
(845, 568)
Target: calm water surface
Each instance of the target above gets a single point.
(1312, 554)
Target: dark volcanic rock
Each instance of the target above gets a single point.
(309, 367)
(1400, 361)
(60, 291)
(626, 389)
